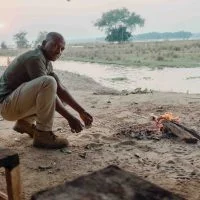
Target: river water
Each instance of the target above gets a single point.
(186, 80)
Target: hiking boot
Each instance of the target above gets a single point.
(22, 126)
(47, 139)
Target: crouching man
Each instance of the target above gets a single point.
(30, 92)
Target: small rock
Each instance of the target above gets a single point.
(137, 155)
(93, 145)
(158, 166)
(170, 162)
(140, 161)
(43, 167)
(83, 155)
(65, 151)
(17, 139)
(59, 129)
(193, 173)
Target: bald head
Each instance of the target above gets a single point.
(54, 36)
(53, 45)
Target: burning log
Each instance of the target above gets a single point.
(179, 130)
(167, 123)
(191, 131)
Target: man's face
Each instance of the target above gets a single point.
(54, 48)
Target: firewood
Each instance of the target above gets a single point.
(179, 131)
(191, 131)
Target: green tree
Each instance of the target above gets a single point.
(41, 36)
(119, 24)
(118, 34)
(21, 40)
(3, 45)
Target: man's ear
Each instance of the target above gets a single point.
(44, 43)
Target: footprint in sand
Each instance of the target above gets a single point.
(181, 150)
(125, 143)
(182, 177)
(93, 145)
(96, 135)
(85, 136)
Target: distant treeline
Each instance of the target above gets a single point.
(165, 35)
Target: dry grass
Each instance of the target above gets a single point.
(153, 54)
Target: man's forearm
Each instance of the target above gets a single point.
(67, 98)
(74, 123)
(61, 109)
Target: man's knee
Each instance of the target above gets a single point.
(50, 82)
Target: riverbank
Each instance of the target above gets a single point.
(114, 138)
(183, 53)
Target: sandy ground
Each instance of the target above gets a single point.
(116, 137)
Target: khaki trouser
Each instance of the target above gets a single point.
(32, 100)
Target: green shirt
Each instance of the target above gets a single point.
(24, 68)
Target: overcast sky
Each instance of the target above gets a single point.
(75, 18)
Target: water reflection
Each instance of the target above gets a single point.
(185, 80)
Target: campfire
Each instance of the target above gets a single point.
(167, 116)
(163, 126)
(168, 123)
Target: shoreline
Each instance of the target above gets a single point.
(76, 82)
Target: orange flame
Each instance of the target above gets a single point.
(167, 116)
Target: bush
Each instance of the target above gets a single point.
(160, 58)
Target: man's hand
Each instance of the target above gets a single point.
(87, 118)
(75, 125)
